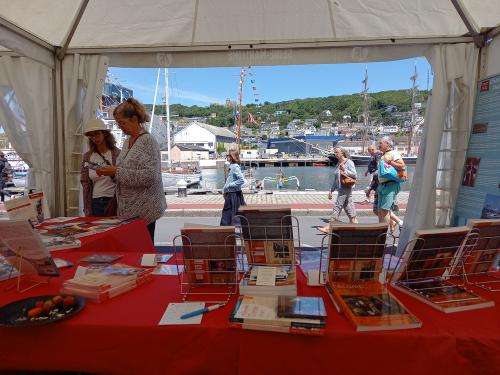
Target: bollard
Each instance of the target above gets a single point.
(181, 188)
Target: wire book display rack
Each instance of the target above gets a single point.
(479, 259)
(207, 271)
(274, 241)
(354, 254)
(428, 264)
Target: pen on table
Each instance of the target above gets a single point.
(201, 311)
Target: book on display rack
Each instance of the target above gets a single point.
(209, 254)
(301, 315)
(483, 257)
(355, 279)
(425, 269)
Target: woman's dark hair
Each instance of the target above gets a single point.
(130, 108)
(109, 138)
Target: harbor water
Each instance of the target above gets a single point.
(310, 178)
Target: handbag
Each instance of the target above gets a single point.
(389, 172)
(346, 180)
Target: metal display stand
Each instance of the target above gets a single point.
(206, 272)
(425, 272)
(350, 262)
(268, 244)
(479, 256)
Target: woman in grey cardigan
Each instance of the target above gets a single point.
(139, 187)
(344, 198)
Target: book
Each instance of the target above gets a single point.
(22, 247)
(7, 270)
(209, 254)
(100, 258)
(60, 243)
(101, 283)
(356, 252)
(261, 313)
(285, 282)
(369, 306)
(32, 207)
(447, 297)
(266, 222)
(486, 251)
(301, 307)
(74, 230)
(433, 254)
(426, 267)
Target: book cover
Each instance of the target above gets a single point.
(209, 253)
(266, 222)
(349, 241)
(487, 249)
(261, 313)
(446, 296)
(301, 307)
(100, 258)
(369, 306)
(433, 254)
(32, 207)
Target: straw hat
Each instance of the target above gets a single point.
(95, 125)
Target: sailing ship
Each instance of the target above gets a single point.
(172, 174)
(364, 159)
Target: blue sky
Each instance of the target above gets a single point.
(202, 86)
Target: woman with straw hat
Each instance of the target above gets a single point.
(99, 197)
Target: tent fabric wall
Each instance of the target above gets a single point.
(27, 118)
(83, 82)
(442, 148)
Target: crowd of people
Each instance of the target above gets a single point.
(385, 188)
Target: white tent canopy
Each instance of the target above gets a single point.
(75, 41)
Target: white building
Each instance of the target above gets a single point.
(249, 154)
(204, 135)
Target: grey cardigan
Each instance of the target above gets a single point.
(350, 170)
(139, 186)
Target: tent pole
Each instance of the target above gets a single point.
(58, 175)
(469, 22)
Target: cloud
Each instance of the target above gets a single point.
(175, 93)
(196, 96)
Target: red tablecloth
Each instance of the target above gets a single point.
(128, 237)
(122, 336)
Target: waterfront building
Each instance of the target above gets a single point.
(185, 152)
(206, 136)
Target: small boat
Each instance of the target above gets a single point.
(173, 175)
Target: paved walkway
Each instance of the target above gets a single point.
(302, 203)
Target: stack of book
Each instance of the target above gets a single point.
(99, 284)
(302, 315)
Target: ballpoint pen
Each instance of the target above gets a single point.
(202, 311)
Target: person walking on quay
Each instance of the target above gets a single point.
(371, 168)
(344, 176)
(5, 171)
(99, 197)
(388, 189)
(139, 186)
(233, 196)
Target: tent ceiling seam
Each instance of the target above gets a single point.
(332, 22)
(26, 34)
(74, 24)
(195, 20)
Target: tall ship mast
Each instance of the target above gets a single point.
(366, 110)
(413, 112)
